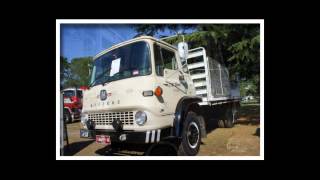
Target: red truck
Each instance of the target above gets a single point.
(72, 103)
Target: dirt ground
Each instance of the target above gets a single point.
(241, 140)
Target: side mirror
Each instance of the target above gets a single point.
(183, 51)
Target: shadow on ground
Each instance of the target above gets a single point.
(74, 148)
(137, 150)
(257, 133)
(248, 121)
(74, 122)
(249, 114)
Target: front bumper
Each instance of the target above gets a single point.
(151, 136)
(76, 113)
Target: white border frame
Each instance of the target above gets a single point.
(160, 21)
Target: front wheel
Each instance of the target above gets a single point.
(191, 136)
(67, 117)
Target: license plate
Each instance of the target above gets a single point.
(103, 139)
(84, 133)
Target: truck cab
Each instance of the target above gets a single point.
(141, 92)
(72, 103)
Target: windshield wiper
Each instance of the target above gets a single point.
(99, 77)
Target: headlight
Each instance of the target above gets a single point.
(84, 119)
(141, 118)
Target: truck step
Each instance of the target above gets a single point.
(198, 76)
(195, 65)
(201, 92)
(200, 83)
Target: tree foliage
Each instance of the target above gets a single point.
(152, 29)
(64, 68)
(76, 72)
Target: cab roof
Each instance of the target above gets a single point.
(72, 89)
(131, 41)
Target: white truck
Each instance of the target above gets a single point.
(147, 91)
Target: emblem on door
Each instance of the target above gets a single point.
(103, 95)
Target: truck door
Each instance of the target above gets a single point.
(169, 77)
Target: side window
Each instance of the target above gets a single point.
(164, 59)
(169, 59)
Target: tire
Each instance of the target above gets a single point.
(229, 118)
(221, 123)
(68, 118)
(191, 136)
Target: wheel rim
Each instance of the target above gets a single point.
(193, 135)
(68, 118)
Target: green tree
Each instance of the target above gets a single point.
(152, 29)
(250, 87)
(79, 72)
(64, 70)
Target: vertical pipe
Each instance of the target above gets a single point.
(221, 80)
(61, 124)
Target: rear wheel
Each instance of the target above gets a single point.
(220, 115)
(221, 123)
(231, 116)
(229, 119)
(191, 136)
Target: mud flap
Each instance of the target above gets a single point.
(203, 127)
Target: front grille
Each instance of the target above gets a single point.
(107, 118)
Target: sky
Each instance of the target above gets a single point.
(80, 40)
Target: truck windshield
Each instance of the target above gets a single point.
(124, 62)
(68, 93)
